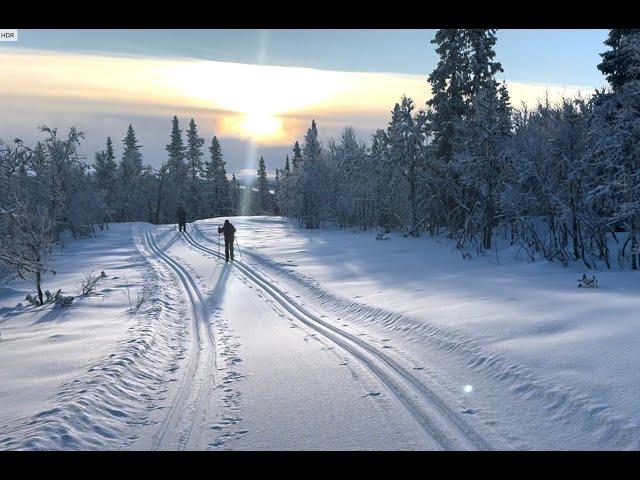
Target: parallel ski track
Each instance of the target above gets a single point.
(190, 404)
(438, 421)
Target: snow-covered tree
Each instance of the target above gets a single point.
(621, 64)
(262, 201)
(176, 171)
(27, 242)
(615, 138)
(450, 85)
(106, 171)
(129, 172)
(216, 174)
(311, 179)
(194, 169)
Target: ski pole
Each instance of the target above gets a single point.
(218, 243)
(238, 244)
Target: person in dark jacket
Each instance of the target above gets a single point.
(229, 234)
(182, 218)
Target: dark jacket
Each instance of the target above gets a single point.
(181, 214)
(229, 230)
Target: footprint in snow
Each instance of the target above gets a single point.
(469, 411)
(418, 368)
(372, 394)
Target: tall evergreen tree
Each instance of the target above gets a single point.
(263, 206)
(297, 158)
(311, 178)
(194, 167)
(130, 169)
(287, 169)
(106, 175)
(216, 173)
(483, 67)
(450, 85)
(615, 137)
(176, 171)
(621, 64)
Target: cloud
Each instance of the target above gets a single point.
(254, 109)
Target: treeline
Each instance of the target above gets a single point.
(49, 188)
(193, 176)
(560, 180)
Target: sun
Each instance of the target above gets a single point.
(261, 126)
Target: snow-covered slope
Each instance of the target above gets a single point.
(316, 340)
(545, 364)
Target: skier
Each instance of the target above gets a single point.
(182, 218)
(229, 233)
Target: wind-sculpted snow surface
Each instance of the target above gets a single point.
(439, 422)
(106, 405)
(528, 407)
(316, 340)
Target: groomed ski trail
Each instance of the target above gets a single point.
(438, 421)
(189, 409)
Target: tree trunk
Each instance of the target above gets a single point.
(574, 228)
(634, 249)
(39, 286)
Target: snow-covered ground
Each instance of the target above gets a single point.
(317, 340)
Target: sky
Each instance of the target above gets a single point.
(257, 90)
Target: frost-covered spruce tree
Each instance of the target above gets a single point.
(386, 176)
(406, 149)
(106, 171)
(447, 110)
(129, 172)
(297, 158)
(355, 187)
(450, 85)
(483, 161)
(285, 186)
(576, 226)
(615, 139)
(194, 166)
(160, 192)
(482, 64)
(216, 174)
(262, 201)
(148, 189)
(276, 192)
(176, 171)
(619, 64)
(294, 197)
(311, 179)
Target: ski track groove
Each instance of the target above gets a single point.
(439, 422)
(198, 376)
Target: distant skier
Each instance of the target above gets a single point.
(182, 218)
(229, 233)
